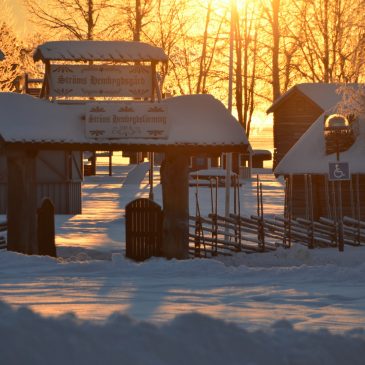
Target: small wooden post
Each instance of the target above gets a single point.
(110, 163)
(150, 174)
(175, 195)
(22, 196)
(46, 229)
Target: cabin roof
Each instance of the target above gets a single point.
(196, 122)
(2, 56)
(308, 155)
(323, 94)
(99, 51)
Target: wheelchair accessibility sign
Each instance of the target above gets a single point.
(338, 171)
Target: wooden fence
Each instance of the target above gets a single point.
(216, 235)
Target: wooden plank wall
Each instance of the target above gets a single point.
(291, 119)
(323, 197)
(65, 196)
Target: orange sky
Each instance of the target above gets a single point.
(14, 12)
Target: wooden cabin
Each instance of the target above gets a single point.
(58, 177)
(310, 190)
(296, 110)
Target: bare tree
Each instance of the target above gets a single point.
(78, 19)
(132, 16)
(10, 68)
(331, 39)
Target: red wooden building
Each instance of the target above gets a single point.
(296, 110)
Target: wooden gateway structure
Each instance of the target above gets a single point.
(310, 190)
(179, 127)
(296, 110)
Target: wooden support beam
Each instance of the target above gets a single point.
(22, 197)
(175, 195)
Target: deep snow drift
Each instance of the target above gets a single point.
(191, 339)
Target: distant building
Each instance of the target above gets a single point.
(296, 110)
(306, 167)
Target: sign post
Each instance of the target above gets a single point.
(339, 171)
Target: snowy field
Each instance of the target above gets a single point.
(92, 306)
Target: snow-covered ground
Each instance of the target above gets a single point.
(294, 306)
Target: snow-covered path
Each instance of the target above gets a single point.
(101, 225)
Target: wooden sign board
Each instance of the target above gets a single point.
(103, 80)
(125, 120)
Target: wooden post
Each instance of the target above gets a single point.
(175, 195)
(150, 174)
(340, 218)
(110, 163)
(22, 196)
(46, 229)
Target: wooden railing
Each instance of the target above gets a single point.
(216, 235)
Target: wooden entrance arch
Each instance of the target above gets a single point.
(197, 124)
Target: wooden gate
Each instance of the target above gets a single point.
(143, 229)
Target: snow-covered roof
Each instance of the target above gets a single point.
(99, 51)
(308, 155)
(2, 56)
(212, 172)
(323, 94)
(196, 122)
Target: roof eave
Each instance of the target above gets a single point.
(281, 99)
(94, 145)
(38, 55)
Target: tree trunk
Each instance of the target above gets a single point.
(202, 64)
(275, 49)
(326, 55)
(137, 30)
(239, 102)
(22, 195)
(90, 20)
(175, 195)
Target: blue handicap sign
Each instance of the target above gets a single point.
(338, 171)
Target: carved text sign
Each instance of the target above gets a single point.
(126, 120)
(93, 80)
